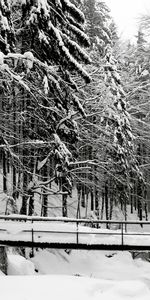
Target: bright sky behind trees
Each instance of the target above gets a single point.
(126, 14)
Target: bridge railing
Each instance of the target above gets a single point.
(122, 233)
(17, 217)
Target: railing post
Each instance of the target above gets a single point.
(32, 232)
(77, 234)
(122, 234)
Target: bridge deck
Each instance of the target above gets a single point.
(74, 246)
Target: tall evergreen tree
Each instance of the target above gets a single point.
(48, 54)
(97, 16)
(115, 157)
(136, 77)
(7, 36)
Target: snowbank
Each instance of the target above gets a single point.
(18, 265)
(97, 275)
(99, 264)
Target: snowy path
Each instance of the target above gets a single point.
(59, 234)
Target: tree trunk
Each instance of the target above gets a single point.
(64, 198)
(102, 207)
(45, 197)
(106, 201)
(135, 195)
(86, 207)
(13, 167)
(140, 194)
(23, 210)
(14, 179)
(78, 205)
(32, 170)
(4, 172)
(31, 204)
(111, 207)
(3, 260)
(83, 196)
(92, 201)
(131, 201)
(96, 200)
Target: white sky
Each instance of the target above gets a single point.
(126, 13)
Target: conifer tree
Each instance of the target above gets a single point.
(7, 36)
(119, 165)
(136, 75)
(97, 16)
(48, 54)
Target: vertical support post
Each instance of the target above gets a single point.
(77, 233)
(121, 234)
(32, 232)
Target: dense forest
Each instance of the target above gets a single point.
(74, 107)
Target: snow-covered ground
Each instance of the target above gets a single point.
(69, 288)
(85, 275)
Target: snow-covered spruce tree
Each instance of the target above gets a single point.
(115, 157)
(7, 40)
(97, 28)
(55, 33)
(49, 44)
(6, 45)
(122, 154)
(97, 16)
(121, 167)
(136, 81)
(7, 37)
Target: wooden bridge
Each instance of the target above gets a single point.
(66, 233)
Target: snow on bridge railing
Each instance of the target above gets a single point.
(18, 217)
